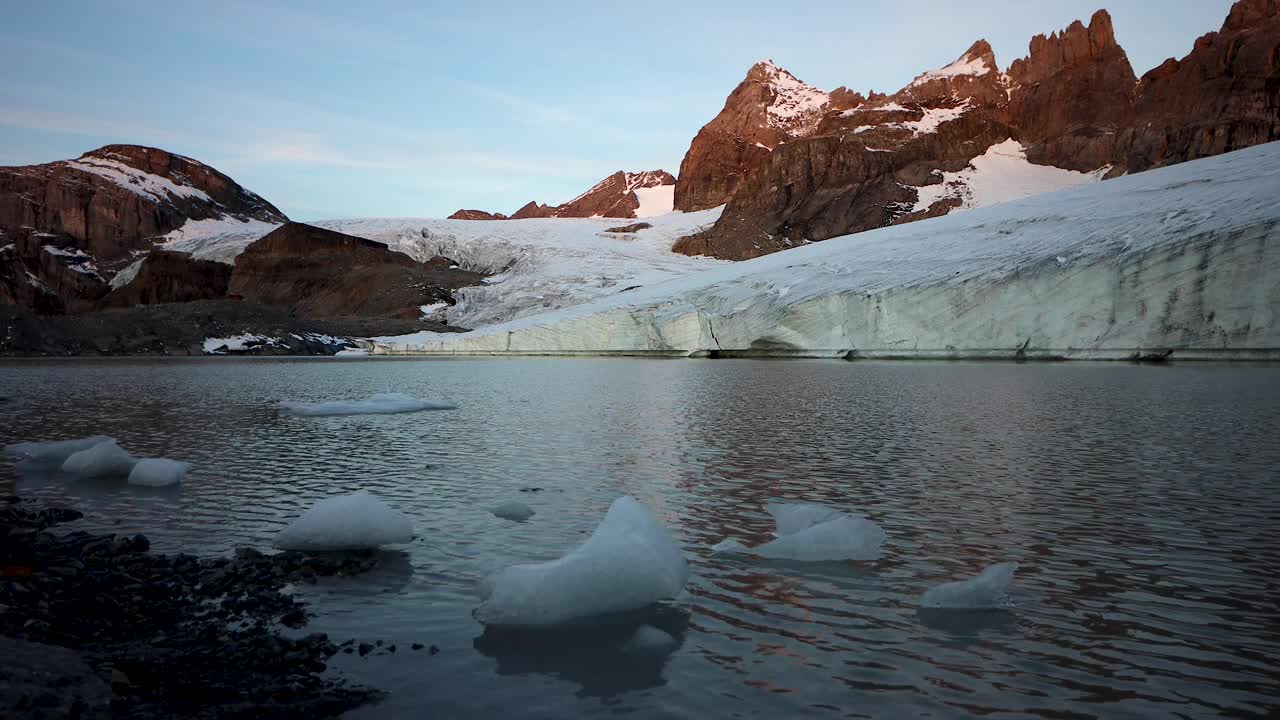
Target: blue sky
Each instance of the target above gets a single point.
(343, 109)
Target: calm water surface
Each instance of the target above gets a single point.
(1141, 502)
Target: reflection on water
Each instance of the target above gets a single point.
(1139, 503)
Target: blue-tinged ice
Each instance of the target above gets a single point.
(105, 459)
(158, 472)
(53, 452)
(628, 563)
(990, 589)
(347, 522)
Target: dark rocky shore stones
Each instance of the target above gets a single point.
(172, 635)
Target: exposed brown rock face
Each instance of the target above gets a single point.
(167, 277)
(1223, 96)
(476, 215)
(769, 107)
(99, 210)
(1073, 103)
(614, 196)
(320, 273)
(1073, 95)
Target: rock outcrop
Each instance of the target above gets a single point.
(318, 273)
(1071, 107)
(95, 213)
(621, 195)
(1223, 96)
(164, 276)
(476, 215)
(768, 108)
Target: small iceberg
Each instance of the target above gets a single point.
(158, 472)
(813, 533)
(105, 459)
(649, 639)
(380, 404)
(628, 563)
(516, 511)
(348, 522)
(990, 589)
(53, 452)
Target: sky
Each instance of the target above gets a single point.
(343, 109)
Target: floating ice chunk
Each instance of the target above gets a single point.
(730, 546)
(517, 511)
(380, 404)
(347, 522)
(649, 639)
(811, 532)
(55, 452)
(105, 459)
(158, 472)
(844, 538)
(794, 517)
(990, 589)
(628, 563)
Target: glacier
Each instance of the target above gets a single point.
(1180, 259)
(628, 563)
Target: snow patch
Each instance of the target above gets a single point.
(380, 404)
(137, 181)
(796, 104)
(127, 275)
(220, 240)
(238, 343)
(1000, 174)
(961, 67)
(348, 522)
(654, 201)
(628, 563)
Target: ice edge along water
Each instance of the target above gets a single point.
(1182, 258)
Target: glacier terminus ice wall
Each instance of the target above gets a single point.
(1181, 262)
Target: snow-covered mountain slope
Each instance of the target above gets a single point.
(1185, 258)
(1000, 174)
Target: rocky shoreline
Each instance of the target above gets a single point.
(182, 328)
(96, 626)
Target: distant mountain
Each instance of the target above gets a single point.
(795, 164)
(68, 227)
(621, 195)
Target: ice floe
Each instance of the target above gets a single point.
(517, 511)
(158, 472)
(813, 533)
(628, 563)
(53, 452)
(649, 639)
(347, 522)
(104, 459)
(380, 404)
(990, 589)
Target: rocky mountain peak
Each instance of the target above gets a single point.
(621, 195)
(1075, 46)
(1246, 14)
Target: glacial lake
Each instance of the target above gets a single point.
(1142, 504)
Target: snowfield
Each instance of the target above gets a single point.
(1185, 258)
